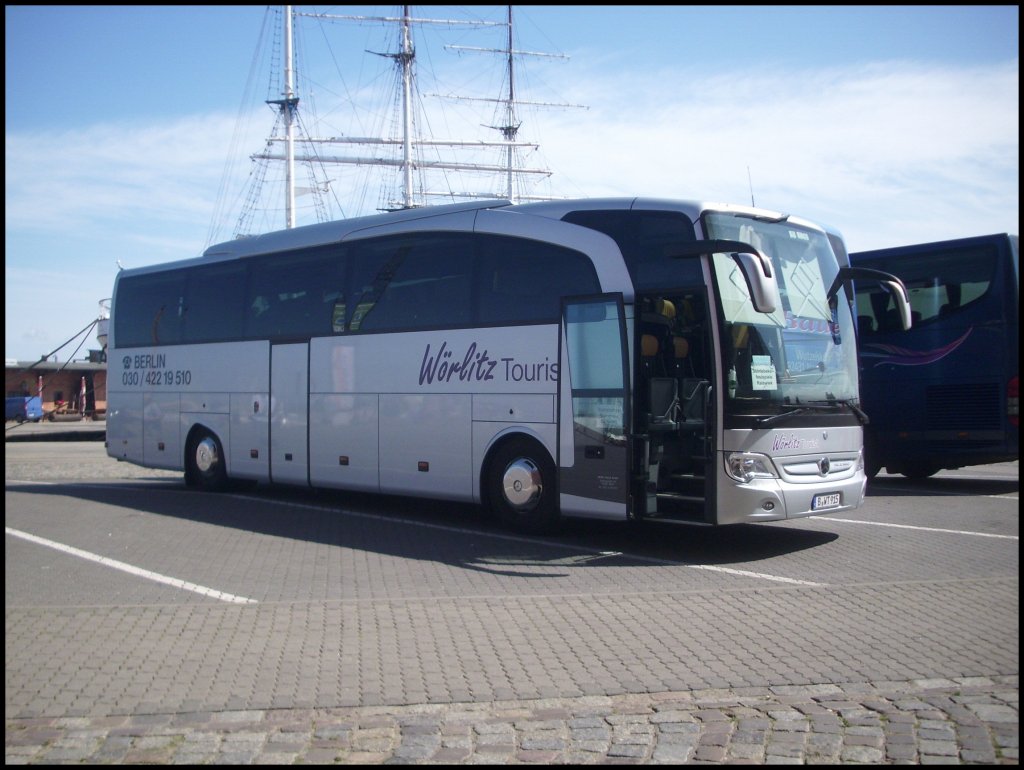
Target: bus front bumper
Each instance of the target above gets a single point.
(778, 500)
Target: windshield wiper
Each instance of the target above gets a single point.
(762, 421)
(830, 405)
(852, 405)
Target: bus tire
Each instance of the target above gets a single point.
(872, 467)
(520, 485)
(918, 470)
(204, 462)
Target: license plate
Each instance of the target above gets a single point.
(833, 500)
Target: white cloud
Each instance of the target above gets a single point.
(114, 175)
(875, 147)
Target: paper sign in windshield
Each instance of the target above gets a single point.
(762, 373)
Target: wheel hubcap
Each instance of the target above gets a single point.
(522, 484)
(206, 455)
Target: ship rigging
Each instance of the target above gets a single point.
(408, 164)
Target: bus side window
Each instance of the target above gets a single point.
(154, 315)
(214, 303)
(892, 319)
(294, 295)
(401, 283)
(521, 280)
(953, 298)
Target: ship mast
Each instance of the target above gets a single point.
(410, 160)
(510, 127)
(288, 107)
(291, 104)
(405, 58)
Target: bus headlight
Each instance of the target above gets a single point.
(747, 466)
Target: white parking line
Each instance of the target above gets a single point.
(925, 529)
(758, 575)
(137, 571)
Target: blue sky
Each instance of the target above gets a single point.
(129, 129)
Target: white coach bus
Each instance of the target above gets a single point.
(607, 358)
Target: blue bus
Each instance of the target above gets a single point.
(943, 394)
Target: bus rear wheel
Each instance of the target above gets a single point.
(204, 462)
(520, 483)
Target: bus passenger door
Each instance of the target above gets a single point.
(289, 413)
(593, 472)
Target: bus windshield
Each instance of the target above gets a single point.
(804, 353)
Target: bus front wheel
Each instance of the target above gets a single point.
(520, 485)
(918, 470)
(204, 463)
(872, 466)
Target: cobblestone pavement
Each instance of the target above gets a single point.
(968, 721)
(859, 719)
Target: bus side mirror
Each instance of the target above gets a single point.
(889, 282)
(899, 296)
(761, 281)
(762, 285)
